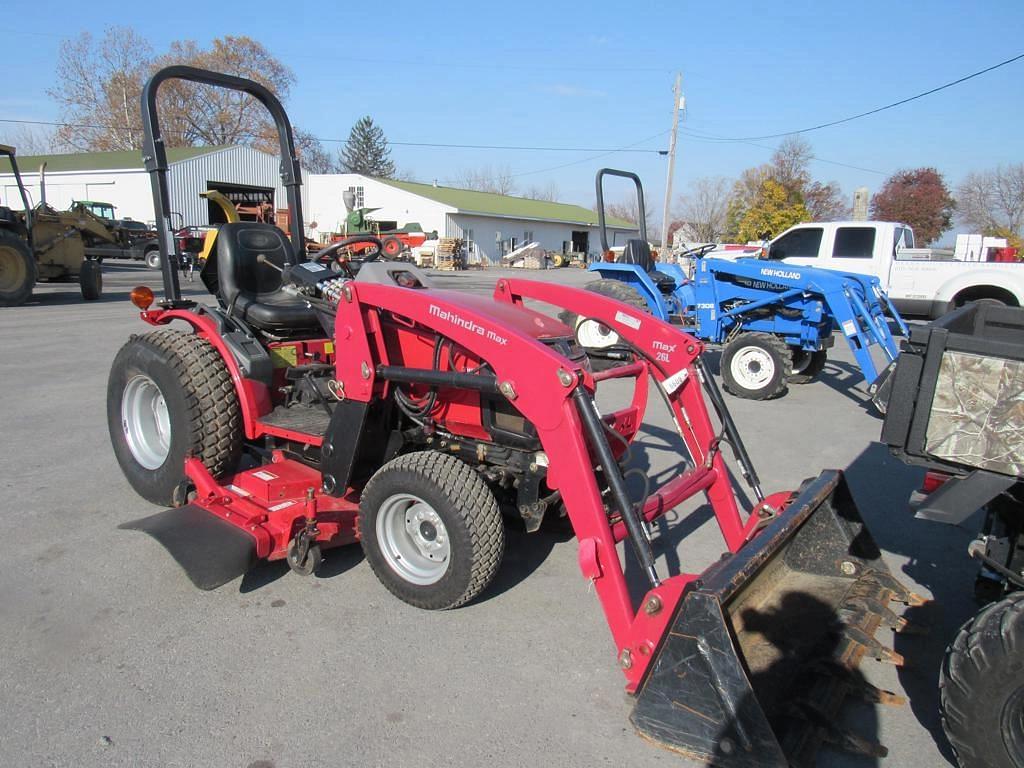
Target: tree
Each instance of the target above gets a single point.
(772, 211)
(992, 201)
(498, 180)
(825, 202)
(197, 115)
(548, 192)
(97, 89)
(366, 151)
(629, 211)
(703, 209)
(918, 197)
(31, 139)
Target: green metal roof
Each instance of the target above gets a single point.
(98, 161)
(488, 203)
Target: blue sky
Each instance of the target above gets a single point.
(599, 75)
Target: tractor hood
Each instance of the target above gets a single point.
(522, 319)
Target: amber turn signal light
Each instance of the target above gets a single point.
(142, 297)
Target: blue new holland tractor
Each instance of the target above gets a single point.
(774, 321)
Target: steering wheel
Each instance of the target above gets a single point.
(331, 251)
(699, 251)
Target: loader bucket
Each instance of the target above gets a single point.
(766, 645)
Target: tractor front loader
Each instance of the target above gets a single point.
(40, 243)
(308, 408)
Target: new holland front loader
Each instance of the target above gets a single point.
(305, 408)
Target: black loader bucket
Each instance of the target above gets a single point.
(766, 646)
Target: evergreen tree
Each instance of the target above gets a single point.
(366, 151)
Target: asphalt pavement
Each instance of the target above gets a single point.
(110, 657)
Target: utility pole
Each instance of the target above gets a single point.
(677, 106)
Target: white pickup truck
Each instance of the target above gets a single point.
(919, 281)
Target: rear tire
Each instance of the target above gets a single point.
(90, 280)
(18, 271)
(981, 688)
(431, 530)
(756, 366)
(806, 365)
(592, 334)
(152, 258)
(170, 395)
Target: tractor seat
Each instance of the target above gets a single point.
(255, 288)
(637, 251)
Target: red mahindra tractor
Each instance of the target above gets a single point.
(306, 409)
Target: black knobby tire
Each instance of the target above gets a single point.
(613, 289)
(18, 272)
(470, 515)
(152, 258)
(806, 366)
(203, 413)
(391, 247)
(90, 280)
(756, 366)
(981, 688)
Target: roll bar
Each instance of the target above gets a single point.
(641, 209)
(154, 155)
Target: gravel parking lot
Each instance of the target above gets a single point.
(112, 658)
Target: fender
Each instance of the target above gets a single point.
(253, 396)
(978, 277)
(636, 277)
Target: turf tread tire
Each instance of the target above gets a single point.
(983, 666)
(783, 363)
(211, 411)
(468, 498)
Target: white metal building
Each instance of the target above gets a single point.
(492, 225)
(244, 174)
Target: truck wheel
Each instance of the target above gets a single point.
(806, 365)
(17, 270)
(170, 395)
(90, 280)
(756, 366)
(431, 530)
(391, 246)
(981, 688)
(153, 258)
(593, 334)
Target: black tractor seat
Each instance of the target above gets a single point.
(252, 290)
(665, 283)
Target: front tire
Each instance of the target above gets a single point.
(756, 366)
(170, 395)
(981, 688)
(806, 366)
(431, 530)
(152, 258)
(90, 280)
(18, 272)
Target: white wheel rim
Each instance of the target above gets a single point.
(591, 333)
(413, 539)
(146, 422)
(752, 368)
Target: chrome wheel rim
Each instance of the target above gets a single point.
(596, 335)
(146, 422)
(752, 368)
(413, 539)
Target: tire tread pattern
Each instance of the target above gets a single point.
(783, 353)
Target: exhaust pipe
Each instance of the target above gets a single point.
(765, 646)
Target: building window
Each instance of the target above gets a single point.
(527, 236)
(358, 192)
(467, 237)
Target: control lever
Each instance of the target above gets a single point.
(261, 259)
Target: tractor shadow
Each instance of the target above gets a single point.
(936, 558)
(846, 379)
(72, 295)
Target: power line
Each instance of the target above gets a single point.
(390, 143)
(875, 111)
(628, 147)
